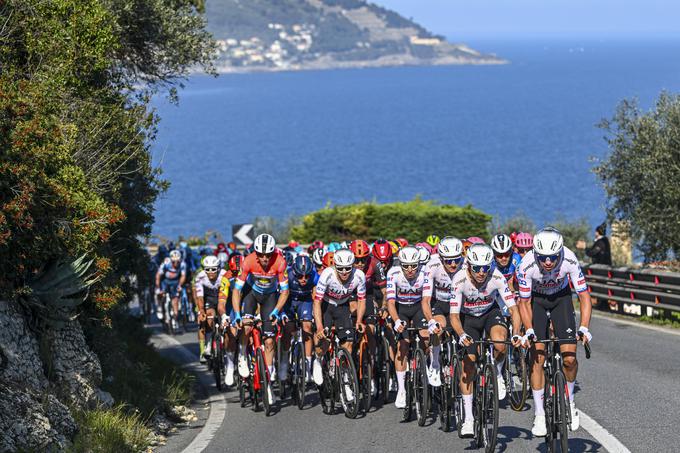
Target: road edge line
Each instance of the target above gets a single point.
(604, 437)
(218, 402)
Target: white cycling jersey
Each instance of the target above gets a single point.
(330, 289)
(438, 280)
(203, 283)
(532, 278)
(469, 299)
(403, 290)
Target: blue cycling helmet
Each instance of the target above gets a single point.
(302, 265)
(290, 257)
(333, 246)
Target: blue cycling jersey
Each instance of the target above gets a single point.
(299, 292)
(316, 277)
(171, 273)
(509, 270)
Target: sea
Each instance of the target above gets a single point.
(506, 139)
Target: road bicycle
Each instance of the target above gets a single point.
(340, 382)
(417, 386)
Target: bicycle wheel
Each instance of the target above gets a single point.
(548, 404)
(421, 388)
(457, 396)
(264, 381)
(300, 383)
(408, 383)
(348, 384)
(385, 371)
(217, 361)
(489, 405)
(561, 412)
(516, 377)
(280, 357)
(326, 389)
(241, 392)
(446, 396)
(366, 378)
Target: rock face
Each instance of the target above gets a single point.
(33, 407)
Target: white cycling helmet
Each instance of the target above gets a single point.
(265, 243)
(343, 257)
(210, 261)
(409, 255)
(548, 241)
(317, 256)
(501, 243)
(175, 255)
(450, 247)
(479, 255)
(223, 258)
(424, 254)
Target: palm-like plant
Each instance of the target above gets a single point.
(59, 289)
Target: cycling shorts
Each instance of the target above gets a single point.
(560, 309)
(340, 317)
(302, 308)
(412, 313)
(369, 311)
(266, 303)
(440, 308)
(476, 326)
(170, 287)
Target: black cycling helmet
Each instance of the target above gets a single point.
(302, 265)
(290, 257)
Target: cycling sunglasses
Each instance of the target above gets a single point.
(477, 269)
(302, 277)
(263, 255)
(360, 260)
(544, 258)
(523, 251)
(410, 266)
(503, 255)
(211, 269)
(451, 261)
(343, 269)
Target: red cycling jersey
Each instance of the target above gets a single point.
(263, 281)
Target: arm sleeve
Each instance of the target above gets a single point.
(361, 287)
(198, 286)
(505, 293)
(577, 279)
(320, 289)
(283, 276)
(224, 289)
(428, 283)
(243, 275)
(456, 301)
(391, 288)
(524, 282)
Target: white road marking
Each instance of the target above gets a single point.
(604, 437)
(218, 403)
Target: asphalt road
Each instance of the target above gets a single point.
(630, 386)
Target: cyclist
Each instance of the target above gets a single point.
(402, 242)
(317, 259)
(265, 270)
(331, 305)
(226, 312)
(505, 261)
(364, 263)
(439, 274)
(405, 284)
(432, 240)
(173, 274)
(207, 287)
(301, 284)
(543, 277)
(474, 294)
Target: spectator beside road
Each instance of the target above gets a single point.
(600, 251)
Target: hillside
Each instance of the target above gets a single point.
(319, 34)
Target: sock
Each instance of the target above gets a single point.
(538, 401)
(229, 361)
(499, 368)
(435, 356)
(401, 376)
(570, 386)
(271, 370)
(467, 403)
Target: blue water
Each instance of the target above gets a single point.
(509, 138)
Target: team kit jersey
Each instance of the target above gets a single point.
(438, 281)
(468, 299)
(533, 279)
(510, 270)
(330, 289)
(210, 290)
(402, 290)
(170, 272)
(263, 281)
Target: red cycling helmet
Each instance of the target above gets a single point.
(235, 263)
(359, 248)
(382, 250)
(293, 244)
(513, 236)
(328, 259)
(524, 241)
(402, 242)
(221, 248)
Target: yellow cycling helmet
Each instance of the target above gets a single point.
(433, 240)
(395, 247)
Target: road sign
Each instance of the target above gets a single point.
(243, 234)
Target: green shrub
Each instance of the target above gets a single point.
(518, 222)
(110, 430)
(414, 220)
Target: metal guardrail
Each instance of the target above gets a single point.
(635, 292)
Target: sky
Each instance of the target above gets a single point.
(530, 18)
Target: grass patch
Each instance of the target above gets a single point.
(110, 430)
(134, 373)
(672, 320)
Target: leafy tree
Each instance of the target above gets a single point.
(76, 126)
(641, 173)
